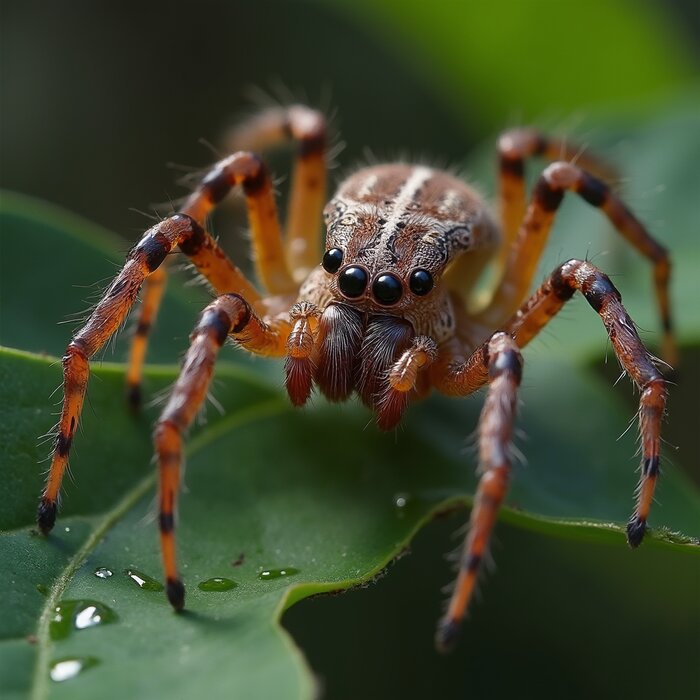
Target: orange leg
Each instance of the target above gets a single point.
(144, 259)
(606, 301)
(110, 313)
(524, 254)
(153, 289)
(241, 168)
(247, 169)
(514, 148)
(499, 363)
(228, 314)
(308, 191)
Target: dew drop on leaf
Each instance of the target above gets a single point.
(65, 669)
(78, 614)
(218, 583)
(147, 583)
(269, 574)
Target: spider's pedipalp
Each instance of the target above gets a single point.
(299, 365)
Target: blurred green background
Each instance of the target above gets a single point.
(97, 101)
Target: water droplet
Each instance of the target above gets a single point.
(78, 614)
(103, 572)
(270, 574)
(401, 500)
(65, 669)
(42, 588)
(147, 583)
(217, 583)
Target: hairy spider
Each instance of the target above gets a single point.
(387, 314)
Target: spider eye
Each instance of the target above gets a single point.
(387, 289)
(352, 281)
(332, 260)
(420, 282)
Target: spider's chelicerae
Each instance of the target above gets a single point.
(388, 313)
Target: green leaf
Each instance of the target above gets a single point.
(494, 62)
(315, 490)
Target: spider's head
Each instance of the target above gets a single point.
(392, 232)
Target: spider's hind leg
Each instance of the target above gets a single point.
(525, 244)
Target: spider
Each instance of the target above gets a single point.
(390, 313)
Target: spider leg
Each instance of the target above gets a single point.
(599, 291)
(153, 288)
(241, 168)
(308, 189)
(524, 253)
(514, 147)
(497, 362)
(227, 315)
(144, 259)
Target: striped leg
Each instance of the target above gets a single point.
(228, 314)
(211, 261)
(514, 148)
(308, 191)
(499, 363)
(606, 301)
(525, 253)
(143, 259)
(153, 288)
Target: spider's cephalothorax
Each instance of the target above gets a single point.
(388, 313)
(392, 230)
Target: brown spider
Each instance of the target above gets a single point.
(387, 314)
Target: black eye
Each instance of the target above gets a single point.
(387, 289)
(332, 260)
(420, 282)
(352, 281)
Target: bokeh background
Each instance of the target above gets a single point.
(104, 106)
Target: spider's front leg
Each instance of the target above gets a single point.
(281, 264)
(143, 262)
(601, 294)
(143, 259)
(229, 314)
(497, 362)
